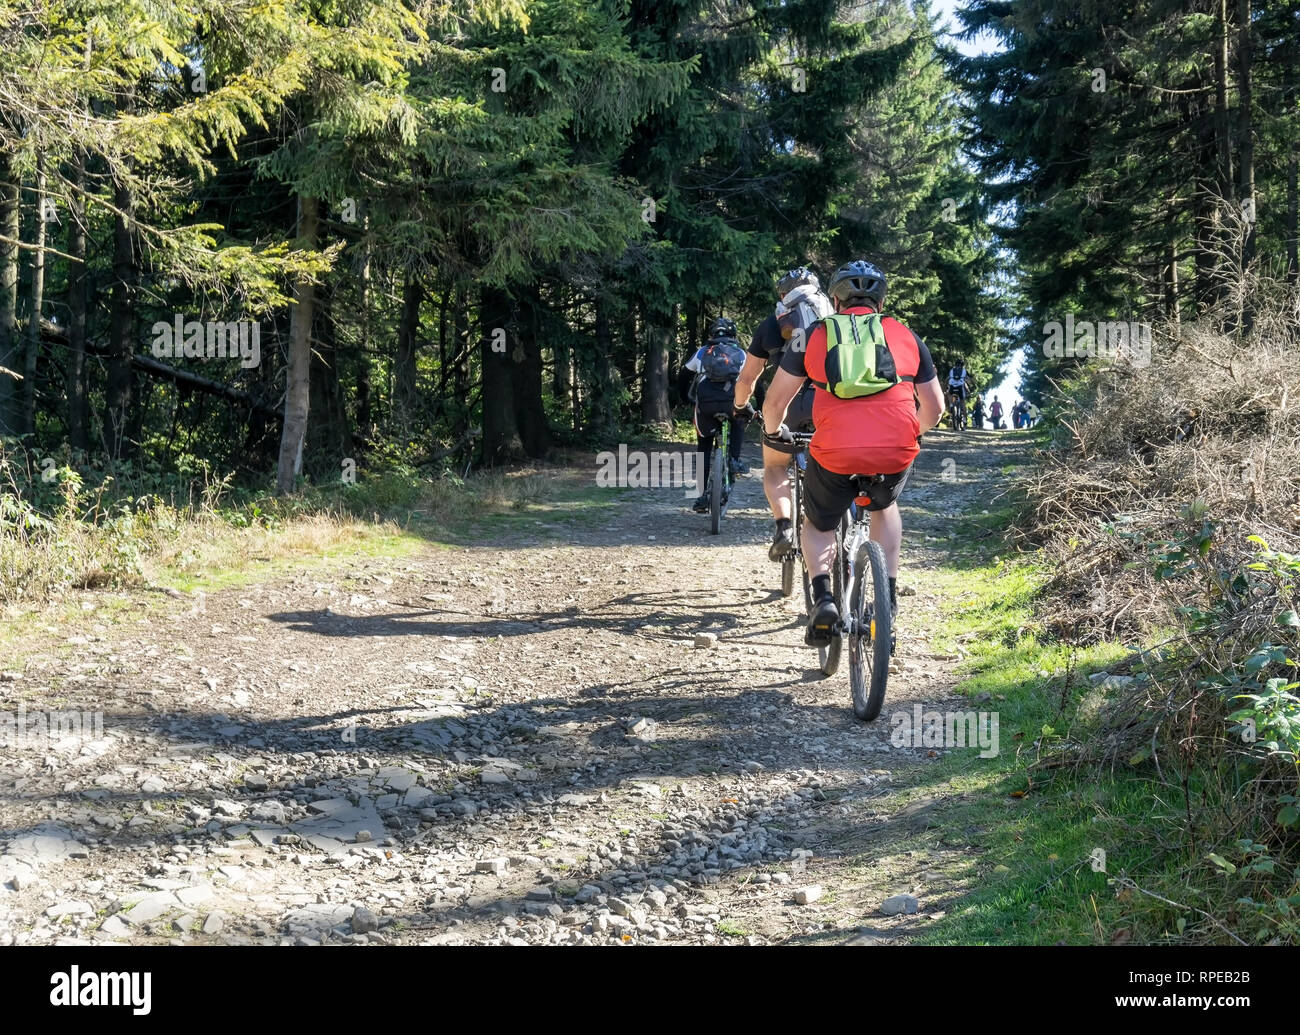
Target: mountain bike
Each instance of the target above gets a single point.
(868, 620)
(719, 477)
(957, 417)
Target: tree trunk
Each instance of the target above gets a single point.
(1203, 195)
(625, 359)
(604, 418)
(460, 363)
(328, 436)
(117, 394)
(1222, 144)
(10, 228)
(444, 304)
(405, 395)
(37, 304)
(561, 375)
(530, 412)
(78, 401)
(1171, 282)
(659, 327)
(297, 398)
(1246, 154)
(499, 427)
(1292, 214)
(364, 426)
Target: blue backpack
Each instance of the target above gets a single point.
(722, 359)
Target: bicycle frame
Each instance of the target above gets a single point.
(855, 548)
(720, 476)
(957, 408)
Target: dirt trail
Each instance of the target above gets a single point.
(515, 742)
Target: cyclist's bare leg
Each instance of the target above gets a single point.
(818, 549)
(887, 530)
(776, 482)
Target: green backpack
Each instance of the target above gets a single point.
(858, 360)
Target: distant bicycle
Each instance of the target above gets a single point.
(957, 417)
(720, 478)
(720, 472)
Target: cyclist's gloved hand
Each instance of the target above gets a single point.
(778, 438)
(745, 412)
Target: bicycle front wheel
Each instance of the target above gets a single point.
(871, 637)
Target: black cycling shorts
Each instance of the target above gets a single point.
(827, 495)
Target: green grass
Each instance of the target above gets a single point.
(1017, 850)
(1042, 830)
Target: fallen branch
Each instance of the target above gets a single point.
(52, 333)
(1125, 882)
(203, 384)
(457, 446)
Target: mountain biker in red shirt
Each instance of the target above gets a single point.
(875, 435)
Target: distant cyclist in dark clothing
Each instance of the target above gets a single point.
(713, 395)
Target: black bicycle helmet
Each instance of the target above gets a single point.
(858, 283)
(797, 277)
(721, 328)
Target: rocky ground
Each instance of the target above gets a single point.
(602, 732)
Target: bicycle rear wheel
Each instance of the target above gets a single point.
(716, 485)
(872, 635)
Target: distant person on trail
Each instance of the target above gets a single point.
(977, 412)
(1032, 414)
(995, 413)
(716, 365)
(786, 328)
(870, 408)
